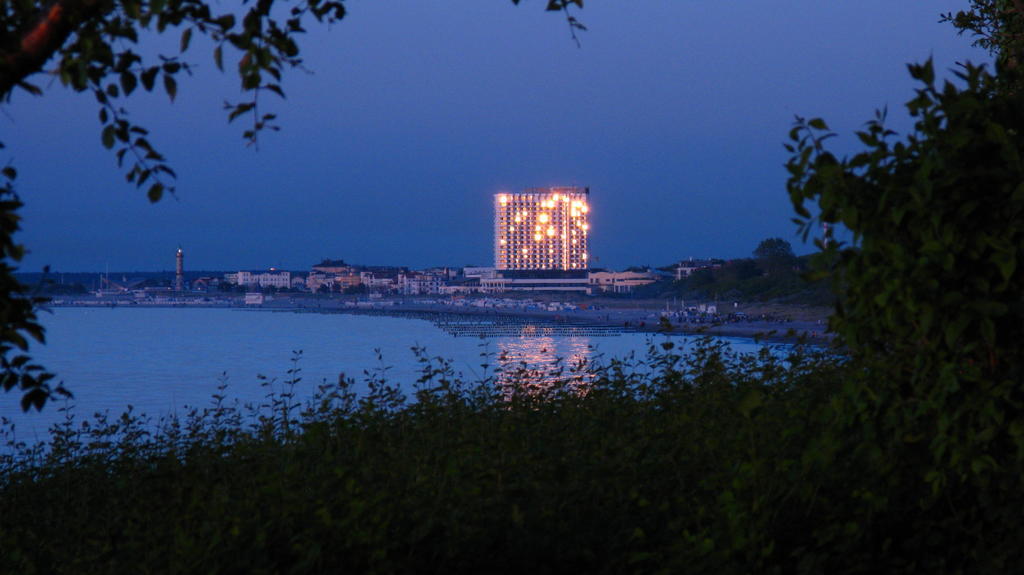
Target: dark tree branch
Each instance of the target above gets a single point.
(26, 51)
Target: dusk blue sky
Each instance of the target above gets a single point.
(673, 112)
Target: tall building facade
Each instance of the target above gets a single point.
(542, 229)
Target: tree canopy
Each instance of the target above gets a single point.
(930, 311)
(997, 26)
(773, 248)
(775, 255)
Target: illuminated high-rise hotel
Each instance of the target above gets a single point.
(541, 229)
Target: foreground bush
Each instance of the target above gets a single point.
(677, 463)
(931, 310)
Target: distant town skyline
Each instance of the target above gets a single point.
(415, 116)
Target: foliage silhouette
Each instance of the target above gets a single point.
(931, 312)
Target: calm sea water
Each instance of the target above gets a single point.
(165, 359)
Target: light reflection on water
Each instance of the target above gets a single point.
(545, 351)
(162, 360)
(543, 360)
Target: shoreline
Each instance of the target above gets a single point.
(625, 320)
(641, 321)
(621, 319)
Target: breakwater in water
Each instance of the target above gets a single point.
(497, 324)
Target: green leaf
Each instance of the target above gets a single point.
(128, 82)
(240, 109)
(35, 398)
(108, 136)
(156, 191)
(186, 39)
(149, 78)
(171, 86)
(818, 124)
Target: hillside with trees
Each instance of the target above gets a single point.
(774, 274)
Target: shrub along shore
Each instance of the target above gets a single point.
(695, 461)
(680, 462)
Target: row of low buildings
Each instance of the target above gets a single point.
(336, 276)
(540, 245)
